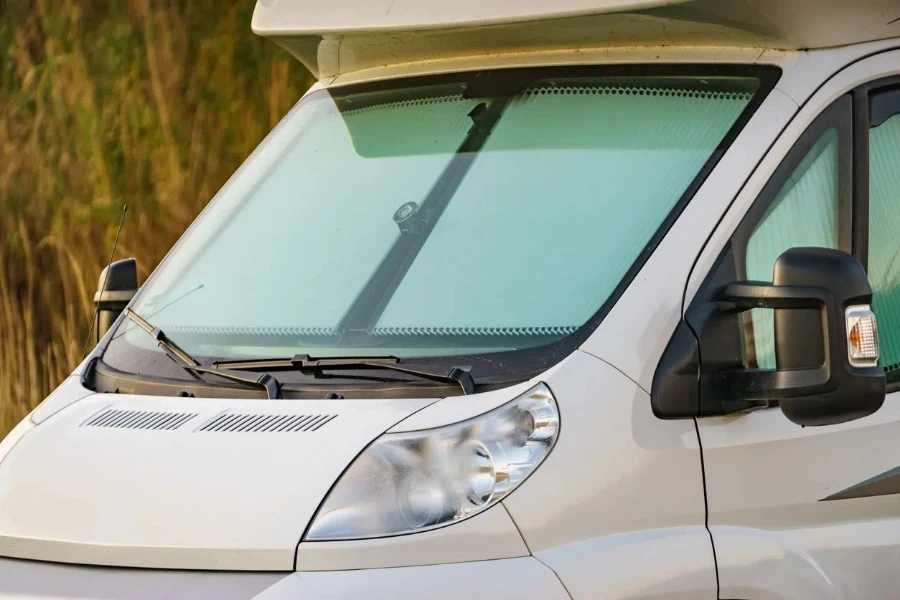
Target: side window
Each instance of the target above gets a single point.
(884, 224)
(802, 206)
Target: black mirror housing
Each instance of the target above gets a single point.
(117, 285)
(815, 382)
(846, 392)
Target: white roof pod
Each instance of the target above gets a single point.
(332, 37)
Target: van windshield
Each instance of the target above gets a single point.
(435, 217)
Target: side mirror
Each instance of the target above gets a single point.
(826, 345)
(121, 284)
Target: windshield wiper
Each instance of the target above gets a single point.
(306, 364)
(189, 363)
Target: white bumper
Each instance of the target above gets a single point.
(521, 578)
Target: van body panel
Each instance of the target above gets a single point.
(103, 483)
(13, 437)
(610, 452)
(489, 535)
(332, 39)
(71, 390)
(790, 573)
(274, 17)
(459, 408)
(814, 69)
(486, 580)
(53, 581)
(672, 563)
(588, 55)
(777, 530)
(779, 23)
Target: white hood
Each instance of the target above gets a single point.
(181, 482)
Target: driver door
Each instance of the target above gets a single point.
(814, 512)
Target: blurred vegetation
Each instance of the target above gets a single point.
(106, 102)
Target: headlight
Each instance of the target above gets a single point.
(406, 482)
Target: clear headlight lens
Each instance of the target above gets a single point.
(421, 480)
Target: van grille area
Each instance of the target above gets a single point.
(238, 423)
(139, 419)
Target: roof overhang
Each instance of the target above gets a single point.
(342, 36)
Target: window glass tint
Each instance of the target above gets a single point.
(884, 238)
(294, 258)
(804, 213)
(567, 191)
(428, 218)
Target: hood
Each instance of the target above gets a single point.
(181, 482)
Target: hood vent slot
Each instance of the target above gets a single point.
(139, 419)
(234, 423)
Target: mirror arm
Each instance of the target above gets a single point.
(743, 385)
(741, 389)
(746, 295)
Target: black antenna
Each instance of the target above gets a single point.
(105, 277)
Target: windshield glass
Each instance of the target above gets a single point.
(433, 217)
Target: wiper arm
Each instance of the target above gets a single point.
(189, 363)
(307, 364)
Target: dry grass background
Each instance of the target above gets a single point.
(103, 102)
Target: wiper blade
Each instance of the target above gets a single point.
(189, 363)
(307, 364)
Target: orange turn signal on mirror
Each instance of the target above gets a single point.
(862, 336)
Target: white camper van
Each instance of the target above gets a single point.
(535, 300)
